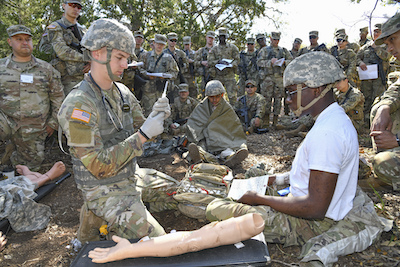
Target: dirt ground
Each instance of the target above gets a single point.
(52, 246)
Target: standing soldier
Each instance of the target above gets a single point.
(62, 39)
(363, 37)
(371, 54)
(347, 58)
(140, 52)
(353, 46)
(181, 60)
(248, 69)
(223, 61)
(314, 46)
(190, 72)
(201, 62)
(261, 40)
(157, 61)
(273, 59)
(295, 52)
(31, 94)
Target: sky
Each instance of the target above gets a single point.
(302, 16)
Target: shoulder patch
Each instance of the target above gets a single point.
(81, 115)
(51, 27)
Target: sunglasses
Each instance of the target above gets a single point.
(174, 40)
(313, 37)
(73, 5)
(339, 40)
(250, 86)
(250, 43)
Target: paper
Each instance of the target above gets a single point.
(279, 62)
(159, 75)
(258, 184)
(135, 64)
(370, 73)
(223, 66)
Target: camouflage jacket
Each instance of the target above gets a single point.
(248, 68)
(191, 71)
(346, 57)
(180, 59)
(318, 47)
(103, 150)
(201, 55)
(182, 110)
(30, 96)
(391, 97)
(66, 46)
(294, 53)
(255, 105)
(264, 61)
(140, 53)
(219, 52)
(370, 55)
(166, 64)
(352, 102)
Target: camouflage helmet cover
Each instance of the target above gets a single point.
(109, 33)
(314, 70)
(214, 87)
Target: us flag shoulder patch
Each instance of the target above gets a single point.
(81, 115)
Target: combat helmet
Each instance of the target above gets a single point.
(111, 34)
(214, 87)
(314, 70)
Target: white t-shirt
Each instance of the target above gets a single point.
(330, 146)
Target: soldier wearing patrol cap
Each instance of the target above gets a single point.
(248, 68)
(385, 116)
(181, 110)
(157, 61)
(342, 32)
(105, 128)
(223, 70)
(252, 105)
(363, 36)
(190, 72)
(201, 63)
(324, 202)
(271, 75)
(62, 39)
(372, 54)
(31, 94)
(314, 46)
(140, 52)
(215, 131)
(261, 40)
(295, 52)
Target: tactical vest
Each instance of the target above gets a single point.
(110, 137)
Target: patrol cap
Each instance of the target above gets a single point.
(313, 69)
(276, 35)
(223, 31)
(138, 34)
(160, 39)
(18, 29)
(211, 34)
(183, 87)
(252, 82)
(313, 33)
(342, 36)
(340, 31)
(260, 36)
(172, 36)
(73, 1)
(364, 29)
(187, 40)
(214, 87)
(391, 26)
(251, 40)
(298, 40)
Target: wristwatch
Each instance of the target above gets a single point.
(397, 139)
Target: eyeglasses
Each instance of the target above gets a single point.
(250, 86)
(174, 40)
(313, 37)
(289, 94)
(73, 5)
(339, 40)
(250, 43)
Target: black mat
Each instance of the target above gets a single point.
(254, 253)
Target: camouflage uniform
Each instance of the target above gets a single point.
(227, 75)
(201, 55)
(28, 106)
(375, 87)
(69, 59)
(362, 42)
(181, 110)
(190, 72)
(248, 69)
(255, 106)
(312, 48)
(272, 76)
(347, 57)
(153, 89)
(352, 102)
(290, 122)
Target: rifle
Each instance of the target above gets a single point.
(243, 112)
(321, 47)
(335, 52)
(381, 71)
(243, 65)
(180, 65)
(206, 75)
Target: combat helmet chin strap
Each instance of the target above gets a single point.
(300, 109)
(113, 77)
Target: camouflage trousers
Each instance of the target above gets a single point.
(230, 86)
(370, 89)
(29, 147)
(272, 90)
(291, 123)
(321, 240)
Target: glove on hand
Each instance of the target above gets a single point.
(154, 125)
(162, 105)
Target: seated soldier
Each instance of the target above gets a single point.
(352, 101)
(385, 117)
(214, 129)
(180, 110)
(295, 126)
(324, 212)
(251, 109)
